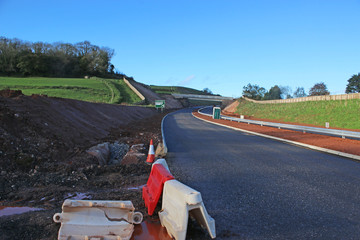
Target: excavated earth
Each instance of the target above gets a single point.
(43, 158)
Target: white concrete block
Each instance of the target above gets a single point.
(179, 202)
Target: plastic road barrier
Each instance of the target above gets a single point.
(106, 220)
(163, 162)
(180, 201)
(154, 186)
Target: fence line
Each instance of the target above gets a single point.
(311, 98)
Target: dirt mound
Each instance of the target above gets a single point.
(43, 158)
(146, 92)
(38, 127)
(171, 102)
(10, 93)
(231, 108)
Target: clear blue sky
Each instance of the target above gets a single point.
(222, 45)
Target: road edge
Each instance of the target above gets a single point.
(163, 135)
(333, 152)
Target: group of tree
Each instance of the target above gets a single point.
(18, 57)
(353, 85)
(207, 91)
(281, 92)
(276, 92)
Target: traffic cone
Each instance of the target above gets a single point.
(151, 155)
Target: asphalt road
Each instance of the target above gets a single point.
(257, 188)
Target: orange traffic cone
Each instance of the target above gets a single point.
(151, 155)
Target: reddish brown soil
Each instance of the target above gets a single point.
(231, 108)
(334, 143)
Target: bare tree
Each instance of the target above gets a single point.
(319, 89)
(300, 92)
(286, 92)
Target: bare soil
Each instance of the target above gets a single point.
(43, 159)
(151, 96)
(335, 143)
(231, 108)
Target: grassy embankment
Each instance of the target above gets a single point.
(92, 90)
(184, 90)
(173, 89)
(339, 113)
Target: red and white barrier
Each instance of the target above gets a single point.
(154, 186)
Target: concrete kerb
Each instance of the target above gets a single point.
(162, 130)
(162, 133)
(337, 153)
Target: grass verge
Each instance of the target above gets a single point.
(92, 90)
(339, 113)
(178, 90)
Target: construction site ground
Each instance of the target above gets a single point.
(43, 158)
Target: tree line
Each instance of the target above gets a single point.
(21, 58)
(281, 92)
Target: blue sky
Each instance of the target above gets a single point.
(222, 45)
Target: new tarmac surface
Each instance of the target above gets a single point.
(258, 188)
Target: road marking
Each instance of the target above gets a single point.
(341, 154)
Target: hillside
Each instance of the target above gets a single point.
(339, 113)
(174, 89)
(67, 123)
(91, 90)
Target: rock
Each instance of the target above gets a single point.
(133, 158)
(137, 148)
(134, 155)
(161, 151)
(101, 152)
(117, 152)
(107, 153)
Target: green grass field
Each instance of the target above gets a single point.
(179, 90)
(92, 90)
(339, 113)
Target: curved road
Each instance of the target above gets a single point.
(258, 188)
